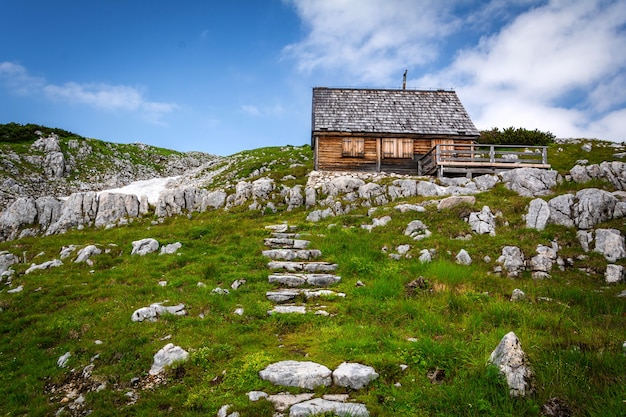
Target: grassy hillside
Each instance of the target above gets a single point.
(572, 326)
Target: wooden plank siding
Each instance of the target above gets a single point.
(331, 155)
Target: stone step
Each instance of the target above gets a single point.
(298, 280)
(281, 228)
(297, 309)
(288, 235)
(302, 266)
(291, 254)
(285, 295)
(279, 242)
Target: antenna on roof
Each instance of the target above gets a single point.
(404, 80)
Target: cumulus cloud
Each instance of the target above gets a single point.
(369, 39)
(558, 67)
(97, 95)
(555, 65)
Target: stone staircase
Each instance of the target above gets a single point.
(296, 272)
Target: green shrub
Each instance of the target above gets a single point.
(513, 136)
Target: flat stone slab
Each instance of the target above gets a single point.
(302, 266)
(284, 400)
(306, 374)
(291, 254)
(321, 293)
(319, 406)
(279, 228)
(291, 309)
(298, 280)
(282, 295)
(276, 242)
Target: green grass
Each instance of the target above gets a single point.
(571, 325)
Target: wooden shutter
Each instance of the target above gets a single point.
(397, 148)
(352, 147)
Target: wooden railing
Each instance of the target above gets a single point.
(476, 157)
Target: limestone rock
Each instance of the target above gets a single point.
(87, 252)
(417, 230)
(49, 264)
(513, 364)
(113, 207)
(610, 243)
(342, 185)
(353, 375)
(319, 406)
(7, 260)
(585, 238)
(593, 206)
(486, 182)
(454, 201)
(155, 310)
(306, 375)
(262, 188)
(483, 222)
(170, 249)
(429, 189)
(21, 213)
(530, 182)
(48, 211)
(291, 254)
(512, 260)
(284, 400)
(518, 295)
(403, 208)
(78, 210)
(144, 246)
(561, 210)
(168, 355)
(310, 196)
(463, 258)
(614, 273)
(287, 309)
(317, 215)
(538, 214)
(541, 264)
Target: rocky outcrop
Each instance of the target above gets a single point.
(530, 182)
(55, 166)
(583, 210)
(613, 172)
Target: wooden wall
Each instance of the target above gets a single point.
(329, 150)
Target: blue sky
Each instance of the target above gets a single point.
(225, 76)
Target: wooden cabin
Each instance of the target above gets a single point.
(384, 130)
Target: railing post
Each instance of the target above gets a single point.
(492, 154)
(437, 154)
(544, 155)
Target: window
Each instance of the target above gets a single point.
(353, 148)
(397, 148)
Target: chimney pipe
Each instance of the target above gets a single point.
(404, 80)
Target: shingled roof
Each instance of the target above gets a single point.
(390, 111)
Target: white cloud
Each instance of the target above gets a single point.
(369, 40)
(17, 78)
(559, 67)
(97, 95)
